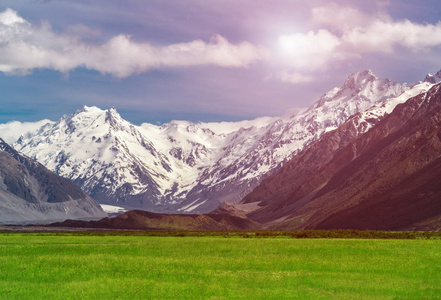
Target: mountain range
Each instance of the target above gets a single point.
(184, 167)
(363, 156)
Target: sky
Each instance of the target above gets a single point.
(203, 60)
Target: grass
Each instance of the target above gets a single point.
(105, 266)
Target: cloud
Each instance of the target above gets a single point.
(10, 17)
(338, 18)
(24, 47)
(294, 77)
(344, 33)
(383, 37)
(122, 57)
(363, 33)
(310, 51)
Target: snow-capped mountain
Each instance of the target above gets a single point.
(387, 178)
(433, 78)
(253, 152)
(193, 167)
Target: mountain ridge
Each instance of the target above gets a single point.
(386, 178)
(193, 167)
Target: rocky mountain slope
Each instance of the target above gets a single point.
(31, 193)
(137, 219)
(386, 178)
(193, 167)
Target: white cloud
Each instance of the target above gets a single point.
(362, 33)
(10, 17)
(122, 57)
(338, 17)
(383, 36)
(310, 51)
(24, 47)
(344, 33)
(9, 132)
(294, 77)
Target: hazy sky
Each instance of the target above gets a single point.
(203, 60)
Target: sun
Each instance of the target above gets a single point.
(287, 44)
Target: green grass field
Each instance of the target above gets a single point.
(69, 266)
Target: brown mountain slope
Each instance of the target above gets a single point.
(138, 219)
(387, 178)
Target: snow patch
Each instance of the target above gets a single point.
(112, 209)
(191, 206)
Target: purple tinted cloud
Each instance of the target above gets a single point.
(25, 47)
(204, 59)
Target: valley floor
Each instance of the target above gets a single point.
(109, 265)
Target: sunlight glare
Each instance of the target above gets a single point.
(287, 44)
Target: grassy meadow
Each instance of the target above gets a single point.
(83, 266)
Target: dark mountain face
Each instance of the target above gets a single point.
(15, 168)
(388, 178)
(30, 192)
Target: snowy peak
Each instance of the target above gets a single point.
(90, 111)
(433, 78)
(359, 92)
(82, 118)
(365, 84)
(85, 110)
(94, 119)
(359, 80)
(112, 116)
